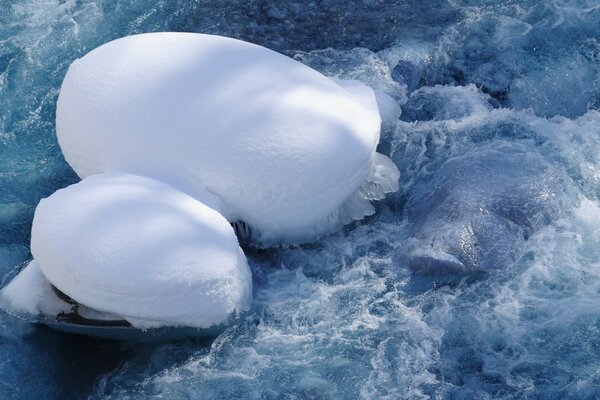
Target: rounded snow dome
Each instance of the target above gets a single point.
(289, 152)
(141, 250)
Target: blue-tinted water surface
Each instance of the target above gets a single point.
(499, 152)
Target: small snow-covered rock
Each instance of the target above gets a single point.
(288, 151)
(139, 249)
(30, 293)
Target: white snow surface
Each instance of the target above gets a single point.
(287, 150)
(30, 294)
(140, 249)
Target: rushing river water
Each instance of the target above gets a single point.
(498, 147)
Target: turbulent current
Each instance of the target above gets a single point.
(478, 279)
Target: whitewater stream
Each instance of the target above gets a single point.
(478, 279)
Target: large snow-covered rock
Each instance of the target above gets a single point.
(290, 152)
(139, 249)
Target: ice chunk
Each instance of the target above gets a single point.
(283, 146)
(139, 249)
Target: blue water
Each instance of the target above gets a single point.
(499, 152)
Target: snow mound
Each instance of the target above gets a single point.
(142, 250)
(30, 293)
(285, 148)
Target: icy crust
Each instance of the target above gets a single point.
(137, 248)
(383, 179)
(285, 148)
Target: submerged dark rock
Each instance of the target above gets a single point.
(483, 208)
